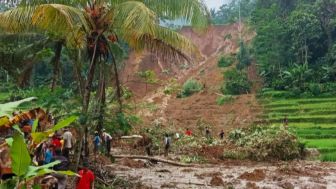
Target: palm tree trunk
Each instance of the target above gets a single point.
(85, 103)
(88, 85)
(77, 69)
(101, 98)
(56, 63)
(118, 86)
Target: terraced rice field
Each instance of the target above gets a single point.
(312, 119)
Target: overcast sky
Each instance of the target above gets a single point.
(216, 3)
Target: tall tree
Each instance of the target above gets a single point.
(98, 24)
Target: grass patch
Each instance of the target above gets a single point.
(190, 87)
(320, 143)
(225, 61)
(329, 157)
(224, 99)
(313, 120)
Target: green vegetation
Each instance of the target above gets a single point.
(190, 87)
(243, 56)
(229, 13)
(235, 82)
(288, 46)
(266, 143)
(311, 118)
(224, 99)
(225, 61)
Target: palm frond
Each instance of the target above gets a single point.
(133, 15)
(24, 3)
(17, 20)
(194, 12)
(163, 41)
(62, 20)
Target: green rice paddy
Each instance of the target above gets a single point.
(312, 119)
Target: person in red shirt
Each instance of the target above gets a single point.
(188, 132)
(56, 142)
(86, 179)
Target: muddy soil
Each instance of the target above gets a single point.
(240, 174)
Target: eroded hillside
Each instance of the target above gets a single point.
(201, 107)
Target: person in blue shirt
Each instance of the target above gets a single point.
(48, 155)
(97, 142)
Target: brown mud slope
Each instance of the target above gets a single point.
(201, 107)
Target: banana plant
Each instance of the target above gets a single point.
(38, 137)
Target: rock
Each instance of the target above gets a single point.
(216, 181)
(168, 185)
(257, 175)
(286, 185)
(251, 185)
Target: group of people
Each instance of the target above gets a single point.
(103, 139)
(188, 132)
(168, 140)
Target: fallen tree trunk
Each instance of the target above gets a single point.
(101, 181)
(154, 159)
(131, 137)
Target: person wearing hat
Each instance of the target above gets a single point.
(86, 180)
(107, 139)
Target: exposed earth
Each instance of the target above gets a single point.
(180, 113)
(234, 174)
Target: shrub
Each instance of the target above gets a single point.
(225, 61)
(190, 87)
(265, 143)
(235, 154)
(236, 82)
(224, 99)
(172, 87)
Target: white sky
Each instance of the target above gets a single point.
(215, 3)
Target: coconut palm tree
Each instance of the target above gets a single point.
(99, 25)
(95, 24)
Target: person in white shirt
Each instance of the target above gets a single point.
(107, 139)
(67, 137)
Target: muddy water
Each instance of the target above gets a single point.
(305, 175)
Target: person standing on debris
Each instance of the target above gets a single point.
(285, 121)
(207, 132)
(107, 139)
(188, 132)
(62, 166)
(221, 135)
(167, 143)
(86, 180)
(147, 143)
(67, 137)
(97, 143)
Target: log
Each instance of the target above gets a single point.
(154, 159)
(101, 181)
(131, 137)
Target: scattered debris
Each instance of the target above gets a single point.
(216, 181)
(257, 175)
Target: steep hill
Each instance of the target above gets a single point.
(199, 108)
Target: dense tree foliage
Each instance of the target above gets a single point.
(294, 44)
(229, 13)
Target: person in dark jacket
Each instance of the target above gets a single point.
(62, 166)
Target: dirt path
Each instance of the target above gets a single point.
(249, 175)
